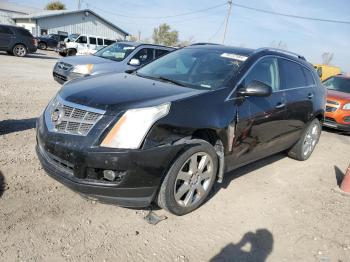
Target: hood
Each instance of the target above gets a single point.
(117, 92)
(338, 96)
(86, 59)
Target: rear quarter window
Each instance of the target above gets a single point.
(308, 76)
(24, 32)
(293, 74)
(5, 30)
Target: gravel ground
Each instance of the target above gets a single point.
(276, 209)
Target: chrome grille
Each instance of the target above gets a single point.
(64, 66)
(71, 118)
(332, 102)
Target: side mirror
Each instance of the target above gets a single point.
(134, 62)
(255, 88)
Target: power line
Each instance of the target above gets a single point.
(159, 17)
(217, 31)
(229, 2)
(291, 16)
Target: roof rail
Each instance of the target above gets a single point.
(281, 51)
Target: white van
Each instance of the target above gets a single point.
(76, 44)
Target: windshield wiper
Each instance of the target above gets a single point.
(170, 81)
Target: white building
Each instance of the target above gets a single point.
(60, 22)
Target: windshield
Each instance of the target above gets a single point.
(192, 67)
(338, 84)
(116, 52)
(73, 37)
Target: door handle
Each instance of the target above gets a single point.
(280, 105)
(310, 95)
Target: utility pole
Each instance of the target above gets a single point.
(79, 6)
(227, 19)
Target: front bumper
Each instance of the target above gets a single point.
(61, 76)
(80, 167)
(331, 123)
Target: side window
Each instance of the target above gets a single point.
(266, 71)
(160, 52)
(82, 40)
(92, 40)
(24, 32)
(5, 30)
(309, 78)
(293, 75)
(99, 41)
(145, 55)
(109, 42)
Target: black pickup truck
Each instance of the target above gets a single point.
(49, 41)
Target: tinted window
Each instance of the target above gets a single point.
(266, 71)
(99, 41)
(82, 40)
(24, 32)
(293, 74)
(161, 52)
(5, 30)
(309, 78)
(145, 55)
(109, 42)
(92, 40)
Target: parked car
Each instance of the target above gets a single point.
(16, 40)
(118, 57)
(77, 44)
(338, 102)
(168, 131)
(49, 41)
(326, 71)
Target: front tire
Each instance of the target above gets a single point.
(190, 179)
(42, 46)
(303, 149)
(19, 50)
(71, 52)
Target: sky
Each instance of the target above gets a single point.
(246, 28)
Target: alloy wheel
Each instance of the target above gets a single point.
(311, 139)
(193, 180)
(20, 50)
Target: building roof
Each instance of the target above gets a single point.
(48, 13)
(12, 7)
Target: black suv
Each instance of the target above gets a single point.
(168, 131)
(49, 41)
(16, 40)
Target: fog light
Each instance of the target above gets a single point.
(109, 175)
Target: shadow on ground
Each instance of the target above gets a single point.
(335, 131)
(2, 184)
(34, 55)
(232, 175)
(252, 247)
(16, 125)
(339, 175)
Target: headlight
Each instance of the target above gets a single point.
(346, 106)
(83, 69)
(133, 126)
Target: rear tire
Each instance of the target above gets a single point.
(64, 54)
(303, 149)
(71, 52)
(190, 179)
(42, 46)
(19, 50)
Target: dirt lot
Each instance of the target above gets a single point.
(277, 209)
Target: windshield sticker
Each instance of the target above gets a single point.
(206, 86)
(234, 56)
(129, 47)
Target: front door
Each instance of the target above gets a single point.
(6, 36)
(260, 121)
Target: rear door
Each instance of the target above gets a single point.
(6, 36)
(298, 85)
(260, 121)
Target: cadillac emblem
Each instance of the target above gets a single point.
(56, 116)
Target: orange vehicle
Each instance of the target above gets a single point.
(338, 102)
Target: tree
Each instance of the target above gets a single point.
(327, 58)
(163, 35)
(55, 5)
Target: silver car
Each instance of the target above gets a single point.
(118, 57)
